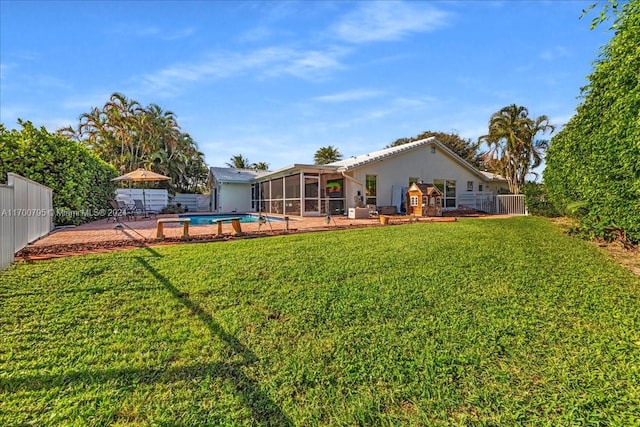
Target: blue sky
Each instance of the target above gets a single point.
(275, 81)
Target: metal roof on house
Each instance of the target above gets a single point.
(235, 175)
(363, 159)
(493, 176)
(250, 175)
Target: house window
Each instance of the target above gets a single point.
(412, 180)
(433, 150)
(414, 200)
(469, 185)
(448, 189)
(479, 187)
(371, 185)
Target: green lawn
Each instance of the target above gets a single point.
(478, 322)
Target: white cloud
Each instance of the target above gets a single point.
(154, 32)
(256, 35)
(472, 129)
(350, 95)
(9, 114)
(254, 145)
(178, 34)
(305, 64)
(53, 124)
(388, 20)
(85, 102)
(404, 103)
(553, 53)
(561, 120)
(49, 82)
(4, 68)
(267, 62)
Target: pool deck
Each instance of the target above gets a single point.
(103, 236)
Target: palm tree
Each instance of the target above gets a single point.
(238, 162)
(121, 118)
(328, 154)
(513, 150)
(129, 136)
(260, 166)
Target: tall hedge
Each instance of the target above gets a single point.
(537, 201)
(593, 164)
(81, 181)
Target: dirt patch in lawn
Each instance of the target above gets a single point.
(628, 257)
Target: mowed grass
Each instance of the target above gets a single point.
(479, 322)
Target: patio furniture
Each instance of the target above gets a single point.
(117, 211)
(162, 221)
(235, 223)
(128, 208)
(142, 175)
(141, 208)
(125, 206)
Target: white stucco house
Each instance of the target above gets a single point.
(380, 179)
(231, 189)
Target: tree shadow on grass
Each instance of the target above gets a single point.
(261, 406)
(264, 410)
(152, 252)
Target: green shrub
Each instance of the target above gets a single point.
(173, 209)
(593, 165)
(81, 182)
(537, 201)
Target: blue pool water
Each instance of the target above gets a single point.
(206, 219)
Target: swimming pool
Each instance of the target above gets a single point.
(206, 219)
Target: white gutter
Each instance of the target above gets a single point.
(353, 179)
(362, 198)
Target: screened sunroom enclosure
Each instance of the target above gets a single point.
(300, 193)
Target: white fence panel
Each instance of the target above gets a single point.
(7, 230)
(504, 204)
(511, 204)
(26, 214)
(154, 199)
(203, 203)
(33, 205)
(20, 202)
(482, 202)
(193, 202)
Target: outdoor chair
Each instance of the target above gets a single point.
(126, 208)
(141, 209)
(117, 211)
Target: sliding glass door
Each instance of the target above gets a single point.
(311, 194)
